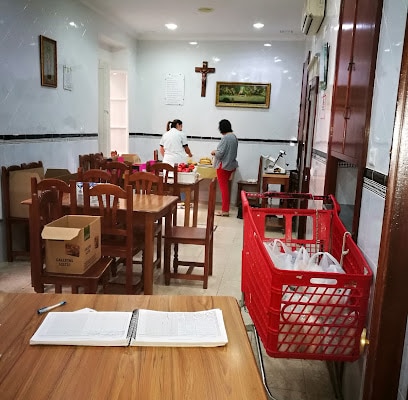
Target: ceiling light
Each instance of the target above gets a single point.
(172, 27)
(193, 43)
(258, 25)
(205, 9)
(267, 45)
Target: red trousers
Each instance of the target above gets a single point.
(223, 179)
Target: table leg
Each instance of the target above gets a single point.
(148, 255)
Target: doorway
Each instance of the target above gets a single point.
(113, 116)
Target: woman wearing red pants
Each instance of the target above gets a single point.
(225, 161)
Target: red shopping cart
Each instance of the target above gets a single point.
(303, 314)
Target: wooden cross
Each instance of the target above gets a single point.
(204, 70)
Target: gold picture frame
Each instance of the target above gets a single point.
(243, 94)
(48, 61)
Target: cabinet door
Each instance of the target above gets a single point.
(340, 108)
(362, 79)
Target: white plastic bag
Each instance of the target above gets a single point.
(281, 255)
(326, 263)
(302, 258)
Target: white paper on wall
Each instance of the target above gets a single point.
(174, 89)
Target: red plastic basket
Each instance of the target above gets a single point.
(303, 314)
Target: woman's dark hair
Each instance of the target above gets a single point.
(173, 124)
(225, 126)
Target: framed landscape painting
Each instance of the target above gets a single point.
(48, 61)
(243, 94)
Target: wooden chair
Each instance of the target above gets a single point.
(45, 208)
(85, 161)
(10, 220)
(176, 235)
(117, 231)
(117, 169)
(147, 183)
(168, 174)
(96, 160)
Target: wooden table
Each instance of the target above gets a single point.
(149, 208)
(148, 373)
(274, 179)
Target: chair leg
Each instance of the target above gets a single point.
(206, 266)
(74, 289)
(166, 269)
(175, 258)
(58, 289)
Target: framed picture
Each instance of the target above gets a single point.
(48, 61)
(242, 94)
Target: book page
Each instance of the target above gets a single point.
(79, 328)
(201, 328)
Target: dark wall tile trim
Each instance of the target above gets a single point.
(375, 176)
(135, 134)
(48, 136)
(319, 153)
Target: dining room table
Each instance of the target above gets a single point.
(148, 209)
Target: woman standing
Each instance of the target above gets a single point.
(225, 162)
(173, 144)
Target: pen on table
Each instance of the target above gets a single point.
(49, 308)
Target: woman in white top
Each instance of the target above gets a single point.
(173, 144)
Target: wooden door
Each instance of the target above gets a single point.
(309, 133)
(340, 108)
(390, 307)
(302, 124)
(362, 81)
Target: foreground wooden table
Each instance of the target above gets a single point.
(79, 372)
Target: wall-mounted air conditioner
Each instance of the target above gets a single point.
(312, 17)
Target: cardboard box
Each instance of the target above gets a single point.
(20, 189)
(60, 173)
(187, 177)
(72, 243)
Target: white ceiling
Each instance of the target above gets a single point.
(229, 20)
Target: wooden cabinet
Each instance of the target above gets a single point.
(354, 80)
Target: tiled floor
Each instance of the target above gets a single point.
(288, 379)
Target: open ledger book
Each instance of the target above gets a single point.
(137, 328)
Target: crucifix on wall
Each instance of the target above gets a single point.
(204, 70)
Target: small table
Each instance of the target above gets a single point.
(149, 208)
(274, 179)
(148, 373)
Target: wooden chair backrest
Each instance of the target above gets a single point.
(96, 160)
(144, 182)
(115, 223)
(168, 174)
(85, 161)
(117, 170)
(45, 208)
(48, 183)
(94, 175)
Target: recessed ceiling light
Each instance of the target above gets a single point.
(267, 45)
(205, 9)
(172, 27)
(258, 25)
(193, 43)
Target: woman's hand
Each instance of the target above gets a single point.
(213, 153)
